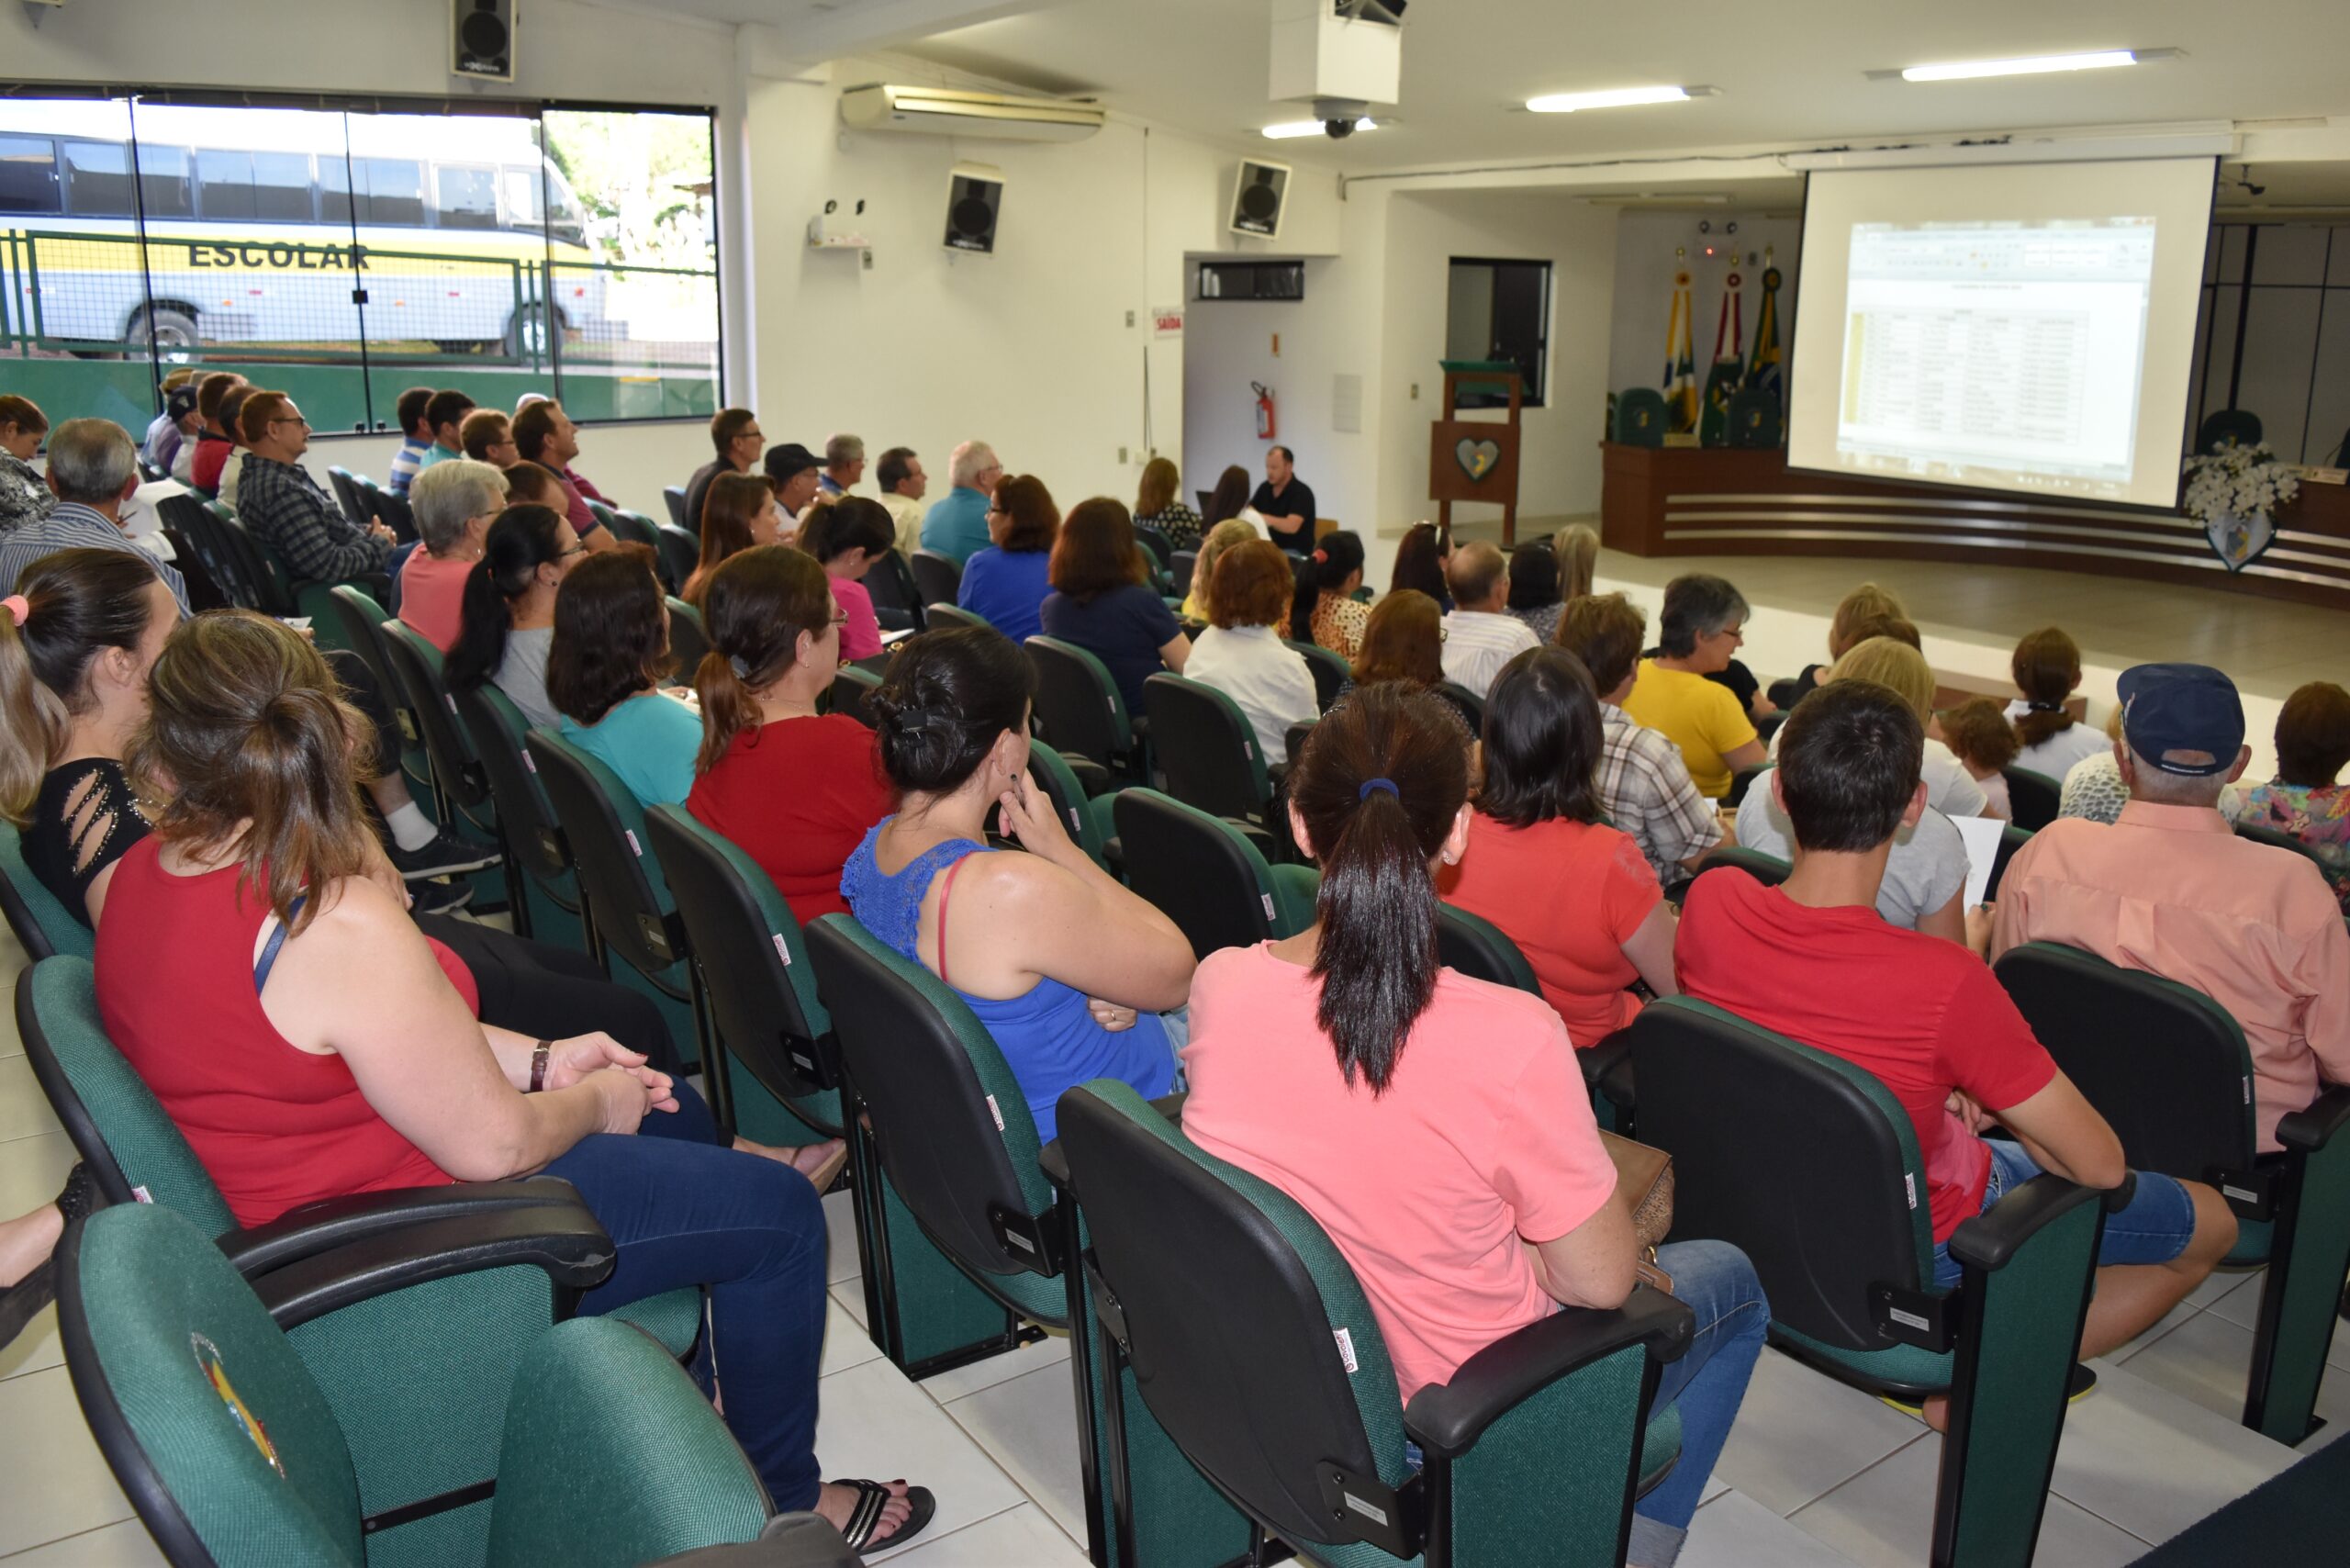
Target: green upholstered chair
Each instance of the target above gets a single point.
(350, 619)
(937, 576)
(279, 592)
(39, 923)
(1841, 1236)
(964, 1245)
(1641, 418)
(459, 780)
(2261, 833)
(938, 617)
(1207, 752)
(676, 555)
(1080, 711)
(689, 638)
(552, 909)
(188, 516)
(2034, 798)
(1469, 704)
(897, 604)
(235, 1449)
(1328, 669)
(775, 1039)
(2168, 1068)
(850, 692)
(1088, 816)
(673, 496)
(1767, 869)
(1207, 876)
(1232, 1324)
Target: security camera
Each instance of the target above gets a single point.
(1337, 130)
(1338, 116)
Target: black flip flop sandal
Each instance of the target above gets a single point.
(866, 1517)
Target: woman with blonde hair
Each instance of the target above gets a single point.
(1159, 503)
(1860, 615)
(1577, 548)
(1950, 789)
(1200, 603)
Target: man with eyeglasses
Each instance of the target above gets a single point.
(736, 435)
(286, 509)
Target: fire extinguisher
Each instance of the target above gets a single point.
(1265, 431)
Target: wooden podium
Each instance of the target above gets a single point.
(1476, 460)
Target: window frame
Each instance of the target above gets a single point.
(1534, 394)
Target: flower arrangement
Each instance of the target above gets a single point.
(2237, 482)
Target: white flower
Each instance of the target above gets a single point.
(2237, 481)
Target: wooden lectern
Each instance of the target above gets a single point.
(1476, 460)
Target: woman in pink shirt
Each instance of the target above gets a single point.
(1436, 1126)
(846, 535)
(454, 502)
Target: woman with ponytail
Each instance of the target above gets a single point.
(2047, 671)
(1067, 969)
(507, 619)
(1436, 1126)
(795, 790)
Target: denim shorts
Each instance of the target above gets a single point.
(2154, 1228)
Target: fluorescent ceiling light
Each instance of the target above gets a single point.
(1288, 129)
(1610, 98)
(1963, 70)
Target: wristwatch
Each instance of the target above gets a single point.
(539, 1066)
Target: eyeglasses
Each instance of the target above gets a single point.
(998, 512)
(290, 420)
(838, 621)
(574, 550)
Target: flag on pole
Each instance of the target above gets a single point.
(1729, 361)
(1767, 369)
(1680, 351)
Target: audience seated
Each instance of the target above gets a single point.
(844, 465)
(1404, 640)
(1700, 629)
(2093, 788)
(1242, 654)
(605, 667)
(2047, 671)
(416, 439)
(1951, 787)
(445, 411)
(1867, 606)
(233, 409)
(1984, 741)
(1480, 635)
(455, 505)
(738, 512)
(1198, 601)
(2169, 888)
(903, 484)
(506, 614)
(213, 442)
(544, 434)
(1329, 583)
(957, 523)
(1576, 548)
(1065, 967)
(793, 471)
(1574, 893)
(526, 484)
(1644, 787)
(1438, 1126)
(285, 510)
(169, 427)
(1534, 596)
(93, 472)
(1421, 560)
(1811, 960)
(735, 434)
(1159, 504)
(846, 534)
(1102, 602)
(1229, 500)
(402, 1087)
(2303, 799)
(488, 436)
(1007, 582)
(796, 790)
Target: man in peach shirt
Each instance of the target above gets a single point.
(2170, 889)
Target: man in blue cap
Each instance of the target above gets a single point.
(2170, 889)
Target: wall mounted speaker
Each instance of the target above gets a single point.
(973, 199)
(1258, 198)
(482, 40)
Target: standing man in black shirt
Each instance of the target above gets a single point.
(1286, 503)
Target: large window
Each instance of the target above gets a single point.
(344, 254)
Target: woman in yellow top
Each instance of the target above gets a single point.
(1702, 627)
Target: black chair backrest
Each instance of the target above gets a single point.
(1196, 869)
(1329, 671)
(1179, 567)
(417, 665)
(1845, 1205)
(937, 577)
(1295, 737)
(1471, 705)
(851, 689)
(274, 594)
(688, 639)
(2032, 798)
(394, 513)
(608, 856)
(187, 515)
(1077, 706)
(358, 624)
(1162, 549)
(1482, 950)
(1767, 869)
(2165, 1065)
(674, 498)
(896, 602)
(675, 553)
(2011, 838)
(348, 494)
(496, 729)
(2258, 833)
(1207, 748)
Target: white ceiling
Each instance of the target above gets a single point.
(1791, 74)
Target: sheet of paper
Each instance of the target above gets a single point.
(1982, 836)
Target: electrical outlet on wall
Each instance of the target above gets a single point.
(1123, 459)
(1130, 317)
(1416, 391)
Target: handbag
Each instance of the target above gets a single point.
(1644, 1186)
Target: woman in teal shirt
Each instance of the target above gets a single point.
(610, 656)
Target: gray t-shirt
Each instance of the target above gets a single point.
(522, 675)
(1925, 871)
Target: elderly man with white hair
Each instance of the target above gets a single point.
(93, 472)
(844, 465)
(455, 503)
(957, 524)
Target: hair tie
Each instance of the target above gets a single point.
(1370, 784)
(1321, 557)
(740, 666)
(19, 609)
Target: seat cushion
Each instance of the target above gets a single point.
(673, 1317)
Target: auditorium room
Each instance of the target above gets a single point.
(1549, 787)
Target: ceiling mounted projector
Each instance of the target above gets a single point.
(1340, 56)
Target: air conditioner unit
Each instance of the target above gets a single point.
(945, 111)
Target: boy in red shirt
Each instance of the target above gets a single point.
(1812, 959)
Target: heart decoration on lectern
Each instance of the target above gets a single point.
(1476, 457)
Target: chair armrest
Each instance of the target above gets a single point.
(1598, 1060)
(2305, 1132)
(338, 1222)
(1991, 1239)
(1092, 777)
(790, 1541)
(1446, 1419)
(565, 1242)
(1054, 1164)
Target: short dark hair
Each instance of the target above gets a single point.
(1035, 521)
(610, 641)
(529, 482)
(890, 468)
(1254, 584)
(480, 430)
(243, 396)
(411, 408)
(1696, 604)
(1850, 758)
(1533, 578)
(1229, 497)
(1287, 455)
(844, 523)
(1097, 549)
(1605, 631)
(1542, 741)
(2313, 734)
(1337, 556)
(447, 407)
(728, 424)
(948, 695)
(209, 391)
(532, 425)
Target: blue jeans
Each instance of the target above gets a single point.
(682, 1209)
(2154, 1228)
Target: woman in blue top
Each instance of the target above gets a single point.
(1102, 603)
(1067, 968)
(1006, 581)
(605, 667)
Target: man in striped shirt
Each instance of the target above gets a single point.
(416, 439)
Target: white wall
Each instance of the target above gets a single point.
(1645, 242)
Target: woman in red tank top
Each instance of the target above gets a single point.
(309, 1042)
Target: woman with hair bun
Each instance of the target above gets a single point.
(2047, 671)
(1065, 966)
(1331, 576)
(1436, 1125)
(795, 789)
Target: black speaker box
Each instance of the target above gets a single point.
(973, 200)
(482, 40)
(1258, 198)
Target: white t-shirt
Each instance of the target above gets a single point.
(1925, 871)
(1267, 679)
(2055, 756)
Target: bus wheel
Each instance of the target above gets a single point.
(526, 333)
(174, 334)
